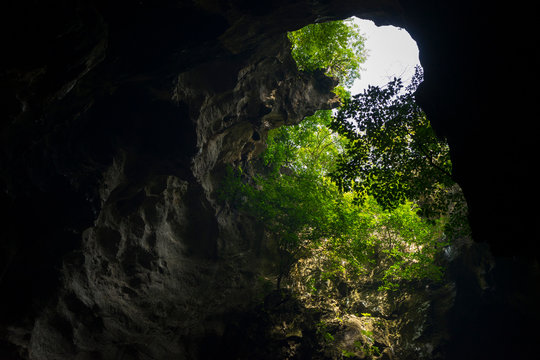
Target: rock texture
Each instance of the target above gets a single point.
(450, 319)
(118, 119)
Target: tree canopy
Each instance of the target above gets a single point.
(337, 47)
(393, 154)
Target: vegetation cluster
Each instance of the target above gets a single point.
(366, 192)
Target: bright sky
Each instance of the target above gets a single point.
(391, 53)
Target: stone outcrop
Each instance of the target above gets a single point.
(119, 117)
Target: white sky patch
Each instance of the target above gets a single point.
(391, 52)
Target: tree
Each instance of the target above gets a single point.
(393, 153)
(337, 47)
(310, 147)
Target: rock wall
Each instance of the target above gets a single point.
(119, 117)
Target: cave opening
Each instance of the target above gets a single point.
(391, 52)
(360, 200)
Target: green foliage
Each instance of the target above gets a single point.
(368, 349)
(394, 246)
(336, 47)
(392, 152)
(307, 149)
(367, 333)
(328, 337)
(323, 331)
(347, 353)
(307, 213)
